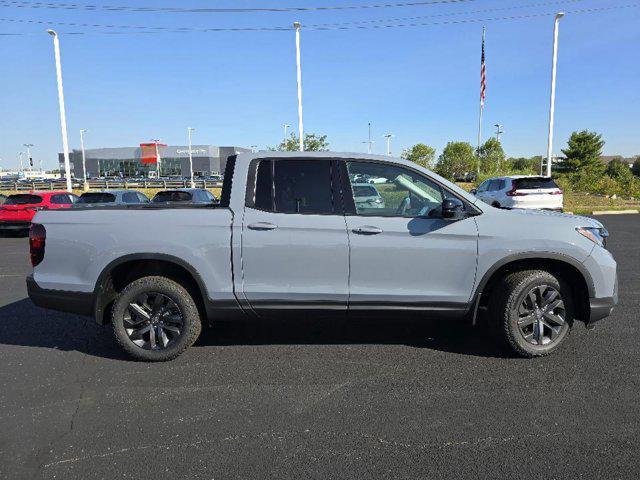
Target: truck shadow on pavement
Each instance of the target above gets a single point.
(23, 324)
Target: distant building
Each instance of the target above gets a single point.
(128, 161)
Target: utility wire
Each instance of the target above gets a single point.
(449, 14)
(126, 8)
(150, 29)
(468, 20)
(145, 27)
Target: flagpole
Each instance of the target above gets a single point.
(482, 86)
(479, 132)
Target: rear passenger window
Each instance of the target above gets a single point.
(294, 186)
(60, 199)
(264, 186)
(493, 186)
(130, 197)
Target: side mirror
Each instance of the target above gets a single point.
(473, 191)
(452, 209)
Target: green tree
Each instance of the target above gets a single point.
(456, 159)
(583, 152)
(636, 167)
(312, 143)
(618, 169)
(422, 154)
(491, 156)
(523, 164)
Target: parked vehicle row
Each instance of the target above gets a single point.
(18, 210)
(297, 233)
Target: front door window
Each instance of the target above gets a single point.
(384, 190)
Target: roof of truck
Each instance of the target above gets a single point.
(248, 156)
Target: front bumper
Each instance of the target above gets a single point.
(80, 303)
(600, 308)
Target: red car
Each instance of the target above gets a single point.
(18, 210)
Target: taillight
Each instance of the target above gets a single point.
(513, 193)
(556, 192)
(37, 239)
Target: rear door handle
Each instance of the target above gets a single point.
(262, 226)
(367, 230)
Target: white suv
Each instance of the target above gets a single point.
(521, 191)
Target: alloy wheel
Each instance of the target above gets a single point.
(153, 321)
(541, 315)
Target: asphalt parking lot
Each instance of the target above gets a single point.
(326, 399)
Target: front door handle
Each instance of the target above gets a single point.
(367, 230)
(262, 226)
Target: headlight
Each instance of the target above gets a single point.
(595, 234)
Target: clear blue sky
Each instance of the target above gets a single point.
(238, 88)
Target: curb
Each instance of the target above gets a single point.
(614, 212)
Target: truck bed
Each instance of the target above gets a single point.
(82, 242)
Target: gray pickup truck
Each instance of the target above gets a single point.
(288, 236)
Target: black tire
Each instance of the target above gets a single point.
(178, 303)
(496, 204)
(509, 315)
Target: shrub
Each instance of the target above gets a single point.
(618, 169)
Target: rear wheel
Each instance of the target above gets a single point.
(155, 319)
(531, 312)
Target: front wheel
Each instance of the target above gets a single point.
(531, 312)
(155, 319)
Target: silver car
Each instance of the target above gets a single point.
(111, 197)
(366, 195)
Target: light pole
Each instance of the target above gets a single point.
(286, 127)
(297, 26)
(552, 101)
(499, 131)
(369, 142)
(84, 160)
(63, 115)
(389, 136)
(29, 145)
(190, 130)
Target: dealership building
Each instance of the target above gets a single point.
(143, 160)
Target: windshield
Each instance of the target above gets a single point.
(172, 196)
(534, 183)
(23, 199)
(97, 197)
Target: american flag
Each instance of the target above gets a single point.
(483, 74)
